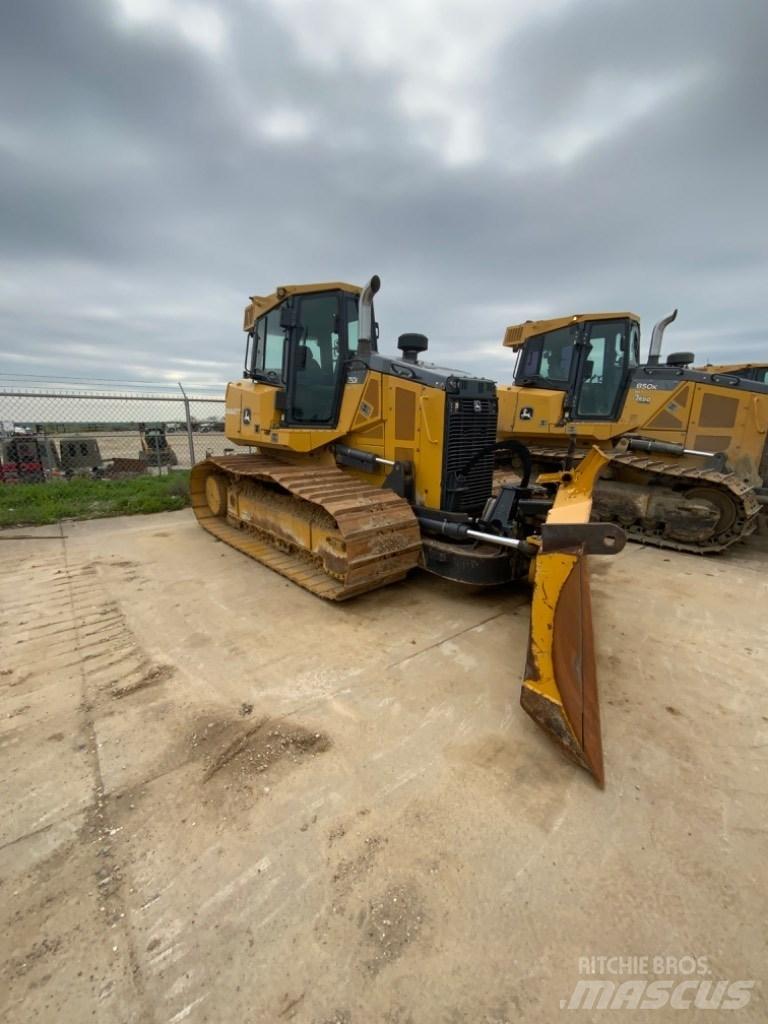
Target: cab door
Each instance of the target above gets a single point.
(318, 354)
(606, 351)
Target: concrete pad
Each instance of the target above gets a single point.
(230, 801)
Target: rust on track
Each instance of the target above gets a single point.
(320, 527)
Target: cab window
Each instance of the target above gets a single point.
(633, 350)
(352, 323)
(318, 360)
(603, 375)
(274, 344)
(269, 345)
(546, 359)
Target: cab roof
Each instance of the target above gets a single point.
(261, 304)
(518, 334)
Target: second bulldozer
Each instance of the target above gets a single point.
(748, 371)
(687, 447)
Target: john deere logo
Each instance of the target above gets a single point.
(526, 413)
(246, 416)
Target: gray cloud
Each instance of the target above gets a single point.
(593, 154)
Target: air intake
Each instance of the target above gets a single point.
(680, 358)
(411, 345)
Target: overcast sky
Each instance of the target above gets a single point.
(492, 160)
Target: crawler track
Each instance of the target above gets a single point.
(679, 478)
(322, 528)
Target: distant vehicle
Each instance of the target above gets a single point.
(215, 427)
(50, 456)
(80, 456)
(155, 450)
(27, 456)
(22, 459)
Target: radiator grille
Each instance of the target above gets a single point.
(470, 426)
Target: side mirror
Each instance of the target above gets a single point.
(247, 360)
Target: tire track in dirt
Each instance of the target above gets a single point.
(108, 873)
(45, 604)
(69, 628)
(61, 623)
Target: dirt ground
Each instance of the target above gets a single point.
(226, 801)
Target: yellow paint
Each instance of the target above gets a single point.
(550, 574)
(518, 334)
(261, 304)
(573, 501)
(572, 504)
(731, 368)
(424, 448)
(745, 440)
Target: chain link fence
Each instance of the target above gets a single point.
(94, 429)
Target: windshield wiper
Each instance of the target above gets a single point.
(266, 377)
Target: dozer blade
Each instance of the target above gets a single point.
(560, 685)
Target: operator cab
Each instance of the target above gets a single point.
(303, 345)
(587, 357)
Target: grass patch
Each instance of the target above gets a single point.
(41, 504)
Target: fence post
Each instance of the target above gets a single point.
(189, 427)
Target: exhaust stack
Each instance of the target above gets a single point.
(657, 337)
(365, 316)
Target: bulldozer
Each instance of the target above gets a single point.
(747, 371)
(362, 467)
(155, 450)
(687, 447)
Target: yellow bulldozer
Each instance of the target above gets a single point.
(155, 450)
(748, 371)
(363, 466)
(687, 447)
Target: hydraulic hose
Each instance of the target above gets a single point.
(509, 445)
